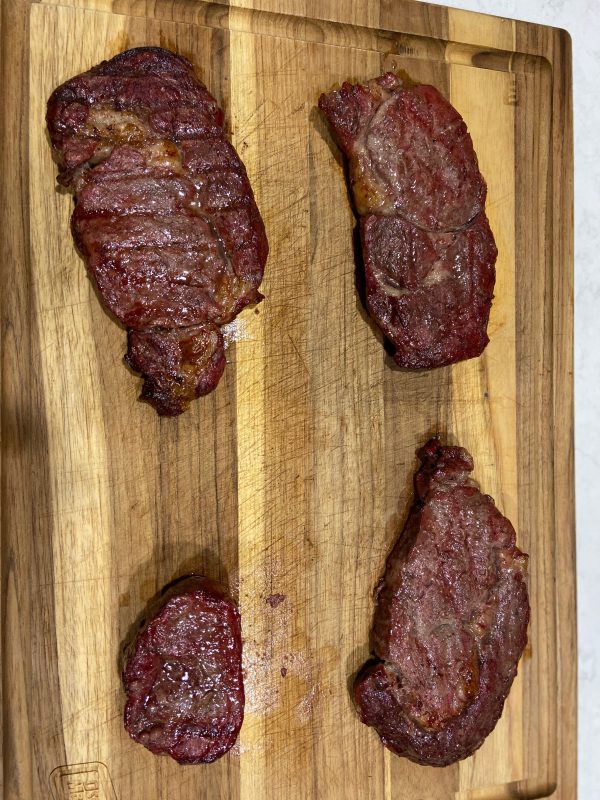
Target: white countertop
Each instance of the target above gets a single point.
(580, 18)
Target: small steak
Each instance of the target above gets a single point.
(165, 217)
(451, 619)
(428, 249)
(183, 676)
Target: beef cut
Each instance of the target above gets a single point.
(183, 674)
(165, 217)
(428, 250)
(451, 619)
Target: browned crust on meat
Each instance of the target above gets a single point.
(188, 704)
(165, 216)
(429, 253)
(450, 622)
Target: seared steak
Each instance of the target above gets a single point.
(183, 677)
(165, 216)
(451, 619)
(428, 249)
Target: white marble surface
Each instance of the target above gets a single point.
(580, 18)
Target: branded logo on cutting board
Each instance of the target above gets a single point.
(82, 782)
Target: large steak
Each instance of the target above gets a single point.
(428, 249)
(183, 676)
(451, 619)
(165, 216)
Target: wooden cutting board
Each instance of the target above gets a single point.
(294, 476)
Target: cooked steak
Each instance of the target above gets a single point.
(428, 249)
(183, 676)
(451, 619)
(165, 216)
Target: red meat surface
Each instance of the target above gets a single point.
(165, 217)
(183, 676)
(450, 621)
(428, 250)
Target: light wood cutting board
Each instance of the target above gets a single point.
(293, 477)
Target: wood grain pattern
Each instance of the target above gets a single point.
(295, 475)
